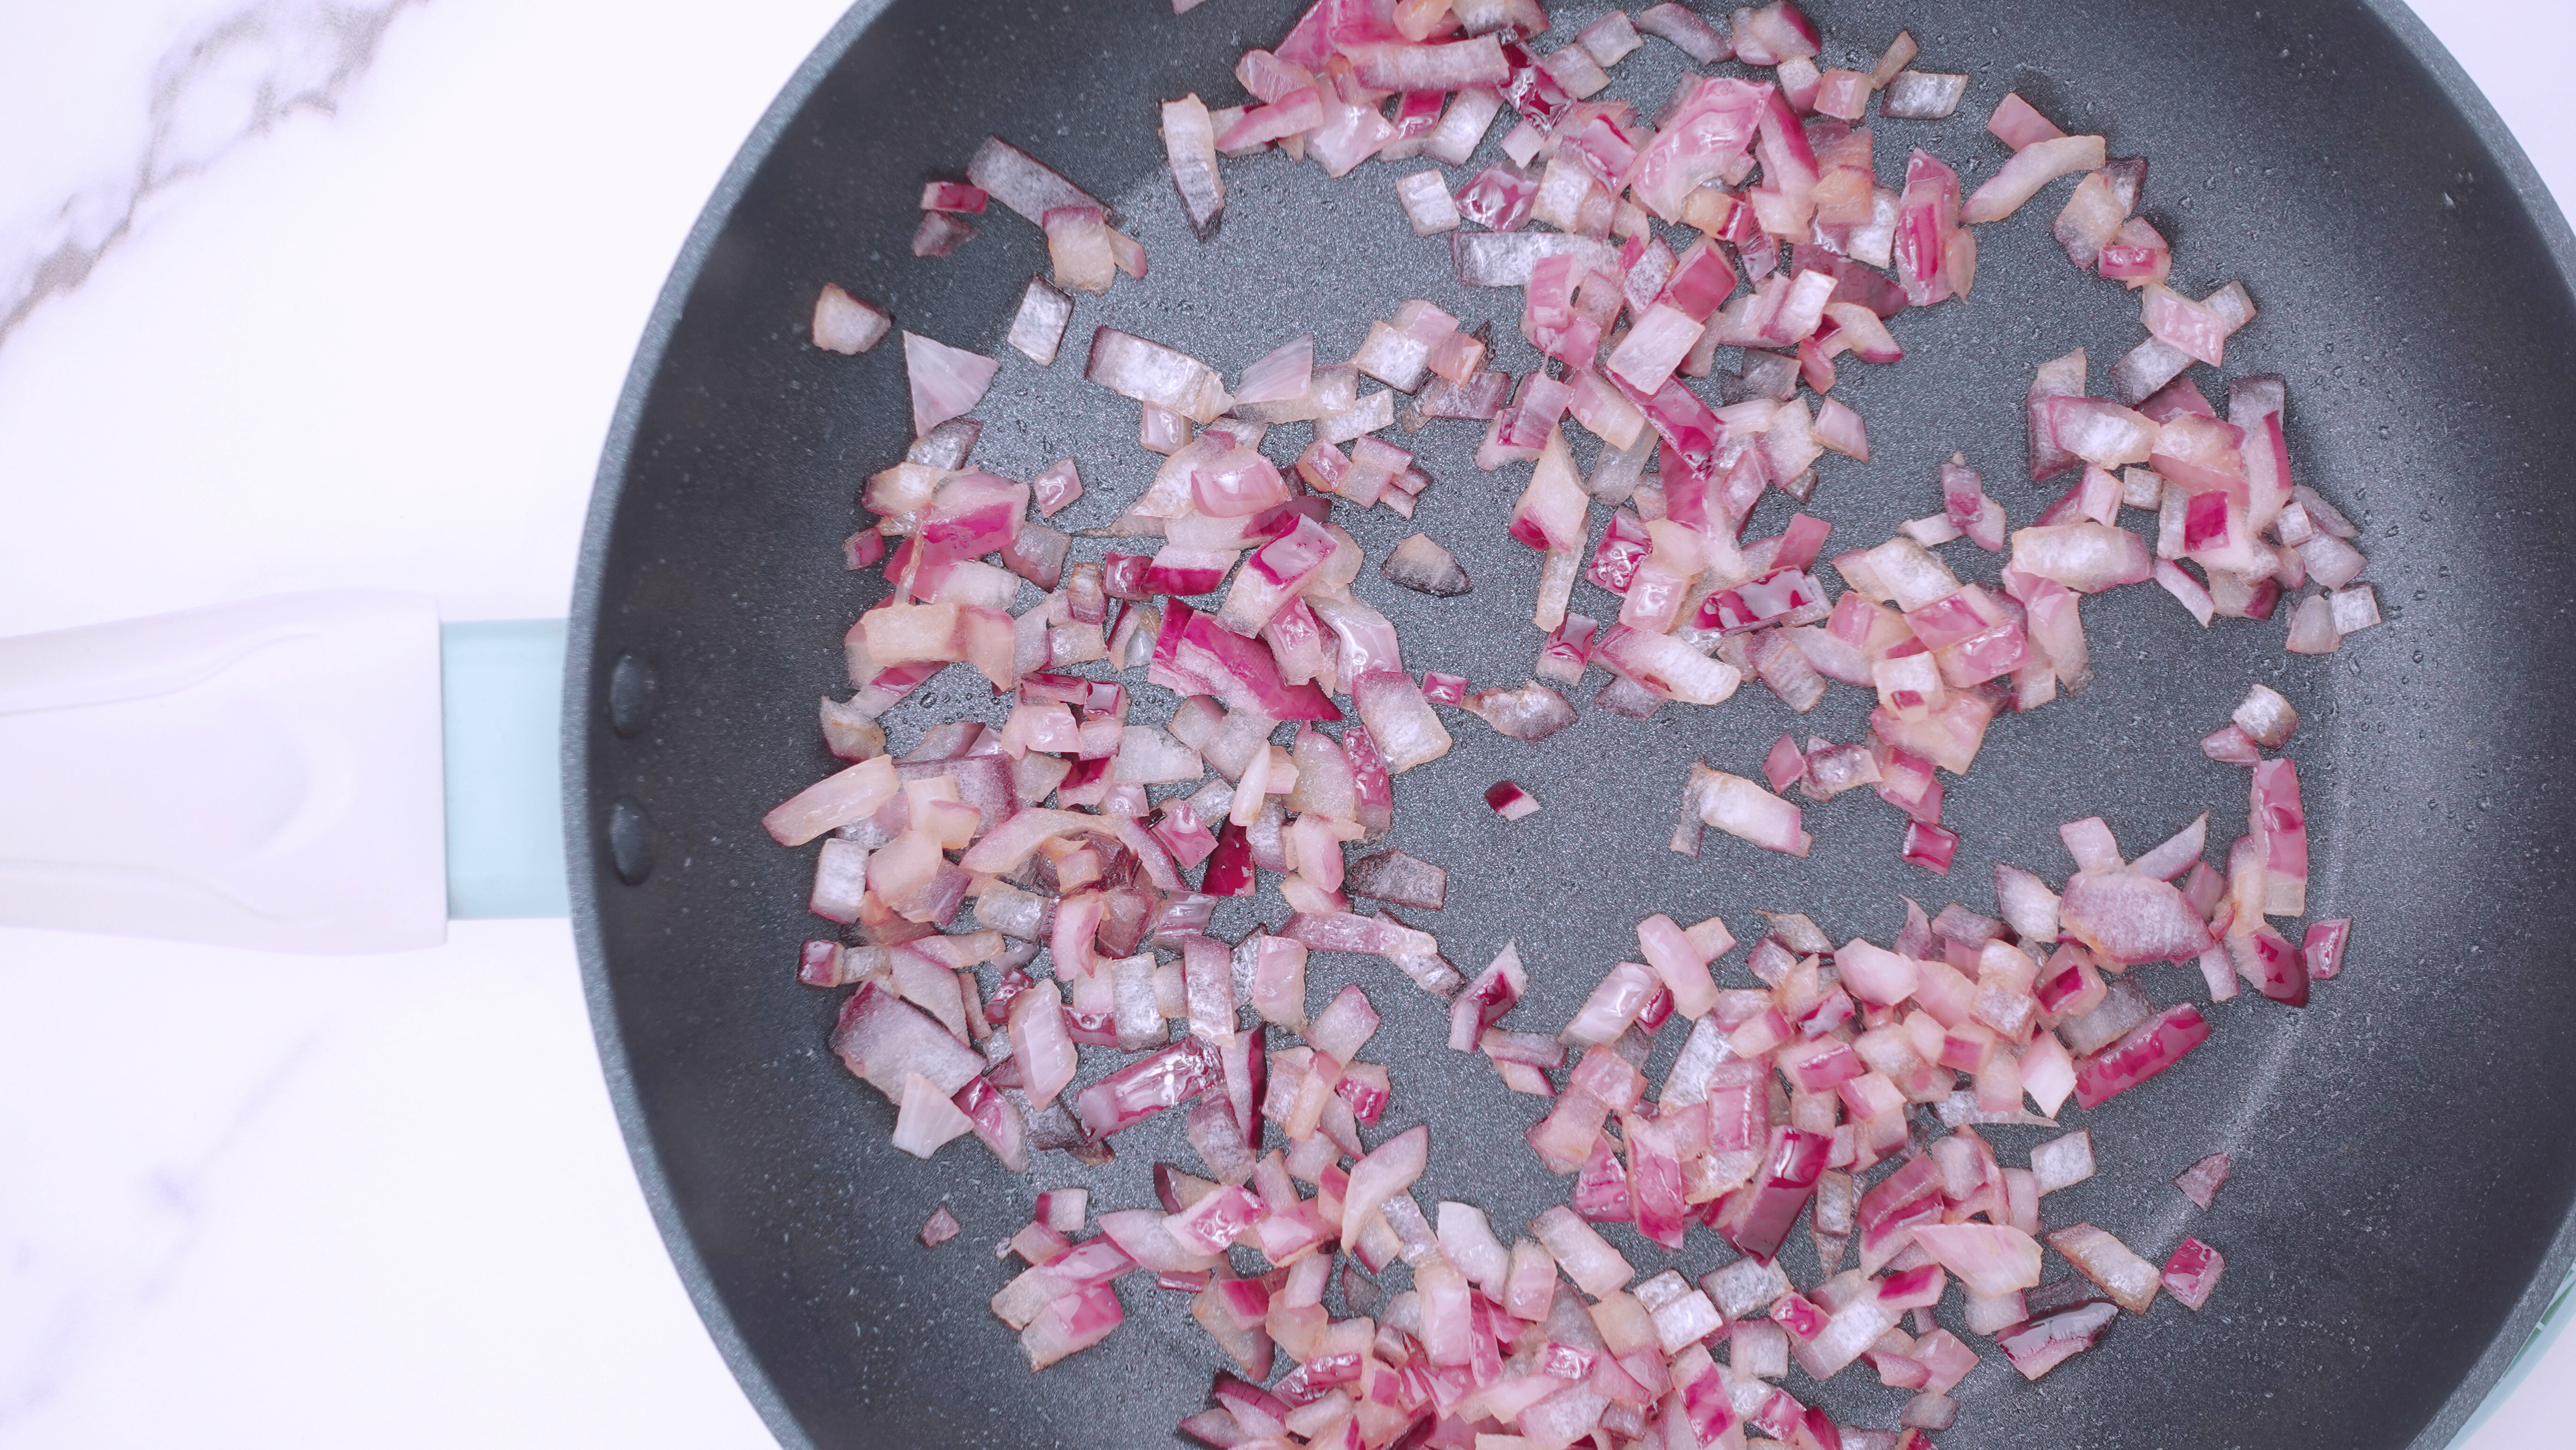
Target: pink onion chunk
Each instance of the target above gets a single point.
(1930, 847)
(1037, 330)
(1401, 723)
(2191, 1275)
(942, 1226)
(1758, 1217)
(1072, 1324)
(2324, 947)
(1280, 375)
(1042, 1043)
(844, 324)
(2037, 1346)
(1927, 219)
(1587, 1258)
(1023, 183)
(2060, 378)
(1445, 67)
(883, 1040)
(2109, 1263)
(2263, 957)
(940, 234)
(947, 382)
(1138, 1091)
(2266, 717)
(2019, 125)
(1914, 95)
(1989, 1259)
(2148, 1049)
(1149, 372)
(1484, 1001)
(2278, 825)
(1745, 810)
(2031, 168)
(1506, 259)
(2202, 1180)
(2132, 918)
(1189, 141)
(837, 800)
(2190, 328)
(1387, 1170)
(1344, 932)
(2230, 745)
(1683, 28)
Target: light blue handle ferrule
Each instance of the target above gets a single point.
(502, 708)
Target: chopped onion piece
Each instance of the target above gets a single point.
(1149, 372)
(2146, 1051)
(1038, 328)
(2063, 1162)
(1427, 203)
(1419, 563)
(1023, 183)
(1988, 1259)
(1189, 140)
(1745, 810)
(2019, 125)
(2191, 1275)
(2202, 1180)
(844, 324)
(1683, 28)
(1396, 877)
(927, 1119)
(2102, 1258)
(2039, 1345)
(1587, 1258)
(947, 382)
(1387, 1170)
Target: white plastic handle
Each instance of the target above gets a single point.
(263, 775)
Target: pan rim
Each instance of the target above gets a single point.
(586, 684)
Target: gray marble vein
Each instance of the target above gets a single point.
(232, 82)
(165, 1209)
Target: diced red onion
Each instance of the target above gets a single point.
(947, 382)
(1189, 141)
(1149, 372)
(2018, 124)
(2191, 1275)
(1022, 182)
(844, 324)
(2039, 1345)
(927, 1119)
(1683, 28)
(2101, 1257)
(2232, 746)
(1914, 95)
(940, 234)
(2146, 1051)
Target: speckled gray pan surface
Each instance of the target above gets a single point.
(2402, 1146)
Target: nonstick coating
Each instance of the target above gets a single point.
(2403, 1175)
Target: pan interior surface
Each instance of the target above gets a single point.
(2401, 1175)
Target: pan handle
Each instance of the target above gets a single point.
(282, 774)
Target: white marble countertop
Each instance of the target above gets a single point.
(294, 295)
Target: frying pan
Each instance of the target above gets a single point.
(2403, 1189)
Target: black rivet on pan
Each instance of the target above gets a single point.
(631, 688)
(630, 840)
